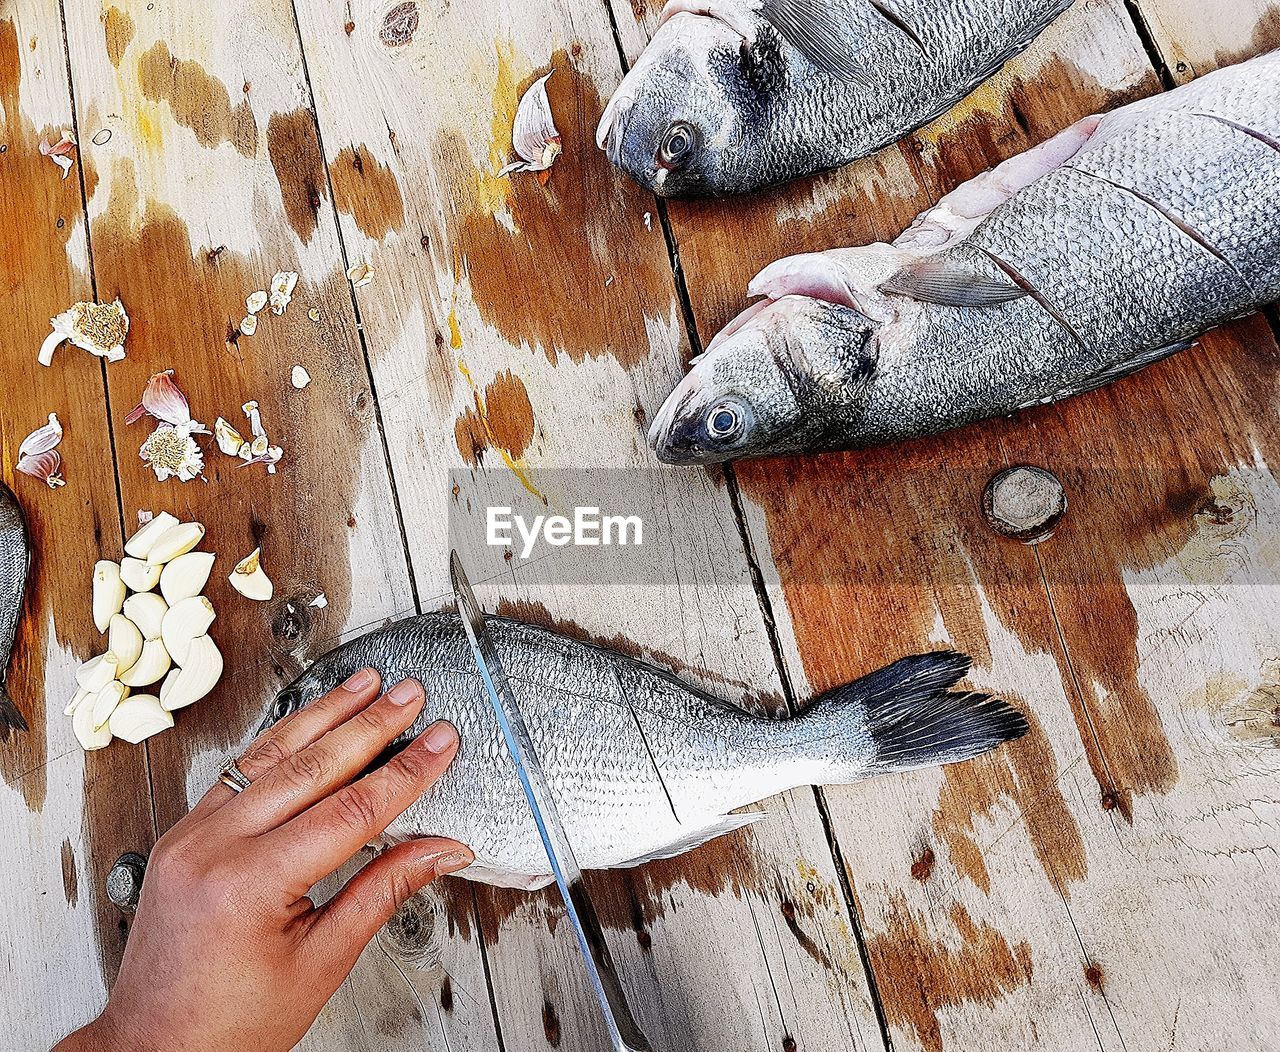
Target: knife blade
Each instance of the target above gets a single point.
(624, 1032)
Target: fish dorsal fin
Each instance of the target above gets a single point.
(952, 284)
(696, 838)
(813, 27)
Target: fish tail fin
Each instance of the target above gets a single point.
(10, 718)
(906, 716)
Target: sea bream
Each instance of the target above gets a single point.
(1107, 248)
(15, 563)
(735, 95)
(642, 766)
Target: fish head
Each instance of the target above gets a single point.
(312, 684)
(777, 380)
(687, 119)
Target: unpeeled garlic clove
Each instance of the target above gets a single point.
(138, 574)
(75, 701)
(138, 718)
(186, 576)
(146, 610)
(90, 737)
(141, 543)
(108, 592)
(250, 580)
(198, 675)
(183, 623)
(150, 667)
(105, 701)
(124, 639)
(176, 540)
(97, 672)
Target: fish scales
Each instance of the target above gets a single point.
(15, 564)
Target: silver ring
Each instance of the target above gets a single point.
(232, 777)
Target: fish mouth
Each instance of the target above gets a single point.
(611, 132)
(661, 431)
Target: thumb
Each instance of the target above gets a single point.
(352, 918)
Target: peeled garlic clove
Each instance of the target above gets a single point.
(248, 325)
(250, 580)
(184, 621)
(186, 576)
(75, 701)
(108, 593)
(140, 544)
(97, 672)
(124, 639)
(198, 676)
(105, 701)
(150, 667)
(138, 574)
(138, 718)
(256, 301)
(90, 737)
(176, 540)
(146, 610)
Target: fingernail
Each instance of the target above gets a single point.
(362, 680)
(440, 736)
(454, 861)
(406, 692)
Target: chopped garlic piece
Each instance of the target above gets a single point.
(299, 377)
(248, 325)
(360, 274)
(282, 286)
(256, 301)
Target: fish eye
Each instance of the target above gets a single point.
(677, 145)
(724, 420)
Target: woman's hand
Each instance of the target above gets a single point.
(227, 952)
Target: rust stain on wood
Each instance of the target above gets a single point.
(294, 150)
(199, 100)
(921, 974)
(118, 29)
(1025, 774)
(516, 239)
(501, 418)
(365, 189)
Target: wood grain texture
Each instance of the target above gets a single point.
(1194, 38)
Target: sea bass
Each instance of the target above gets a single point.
(1107, 248)
(15, 562)
(735, 95)
(642, 765)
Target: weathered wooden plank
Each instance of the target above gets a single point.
(514, 330)
(1000, 897)
(1194, 38)
(66, 816)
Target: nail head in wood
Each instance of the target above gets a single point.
(1024, 503)
(124, 882)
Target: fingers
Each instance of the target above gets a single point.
(297, 731)
(320, 840)
(353, 917)
(329, 763)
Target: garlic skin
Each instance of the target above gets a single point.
(534, 135)
(250, 580)
(198, 676)
(108, 593)
(175, 541)
(153, 664)
(138, 574)
(146, 610)
(138, 718)
(105, 701)
(141, 543)
(183, 623)
(91, 738)
(186, 576)
(97, 672)
(124, 639)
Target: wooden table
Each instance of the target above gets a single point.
(1109, 881)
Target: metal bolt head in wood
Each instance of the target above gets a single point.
(1024, 503)
(124, 882)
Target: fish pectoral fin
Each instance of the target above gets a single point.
(1111, 373)
(951, 284)
(695, 838)
(812, 27)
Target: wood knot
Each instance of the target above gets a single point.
(214, 254)
(1024, 503)
(788, 1043)
(1095, 976)
(922, 867)
(399, 24)
(412, 935)
(446, 994)
(291, 623)
(551, 1024)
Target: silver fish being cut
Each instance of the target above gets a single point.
(734, 95)
(641, 765)
(15, 562)
(1107, 248)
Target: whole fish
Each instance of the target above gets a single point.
(1105, 249)
(15, 562)
(642, 766)
(735, 95)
